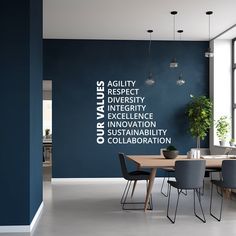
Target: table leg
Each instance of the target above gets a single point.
(150, 185)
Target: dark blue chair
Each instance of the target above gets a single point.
(209, 171)
(132, 176)
(189, 175)
(228, 181)
(168, 173)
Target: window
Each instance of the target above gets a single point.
(222, 86)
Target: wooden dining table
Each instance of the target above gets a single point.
(157, 161)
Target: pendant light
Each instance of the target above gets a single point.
(150, 80)
(180, 81)
(209, 52)
(180, 34)
(173, 63)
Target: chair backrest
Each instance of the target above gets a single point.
(229, 173)
(189, 174)
(123, 166)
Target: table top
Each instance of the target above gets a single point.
(156, 161)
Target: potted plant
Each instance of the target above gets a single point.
(171, 152)
(222, 129)
(199, 113)
(232, 142)
(47, 132)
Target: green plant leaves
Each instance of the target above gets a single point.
(222, 128)
(199, 112)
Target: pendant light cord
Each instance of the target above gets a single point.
(150, 42)
(149, 81)
(149, 51)
(209, 27)
(174, 27)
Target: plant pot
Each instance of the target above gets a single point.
(222, 143)
(170, 154)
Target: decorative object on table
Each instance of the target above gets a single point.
(171, 152)
(195, 153)
(232, 142)
(209, 52)
(189, 154)
(199, 112)
(173, 63)
(222, 129)
(150, 80)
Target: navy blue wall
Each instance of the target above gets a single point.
(36, 74)
(74, 67)
(18, 65)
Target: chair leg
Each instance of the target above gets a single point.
(222, 197)
(185, 193)
(135, 182)
(220, 177)
(122, 198)
(203, 188)
(198, 192)
(124, 202)
(125, 196)
(163, 182)
(168, 205)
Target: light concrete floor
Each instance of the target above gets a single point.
(91, 208)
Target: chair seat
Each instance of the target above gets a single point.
(139, 175)
(221, 184)
(169, 169)
(139, 172)
(175, 184)
(217, 169)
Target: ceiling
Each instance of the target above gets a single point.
(129, 19)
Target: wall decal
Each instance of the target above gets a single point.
(100, 112)
(128, 119)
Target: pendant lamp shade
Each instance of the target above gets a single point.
(209, 53)
(150, 79)
(173, 63)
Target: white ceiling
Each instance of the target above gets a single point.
(129, 19)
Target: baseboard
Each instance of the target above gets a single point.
(36, 217)
(92, 180)
(23, 228)
(67, 180)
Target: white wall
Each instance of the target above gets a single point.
(222, 82)
(47, 115)
(47, 105)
